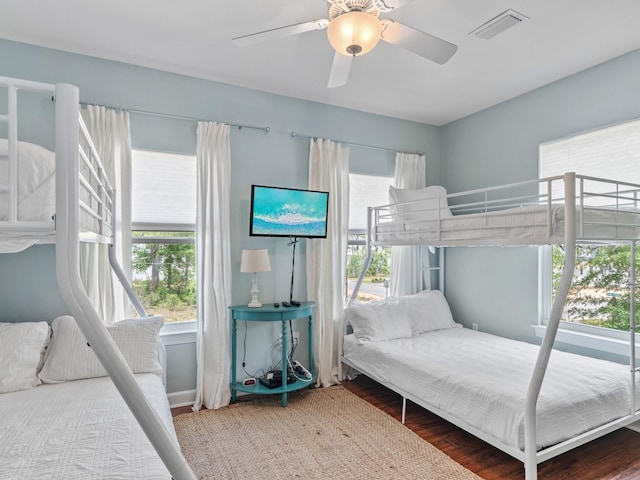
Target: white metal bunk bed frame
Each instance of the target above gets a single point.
(69, 153)
(574, 200)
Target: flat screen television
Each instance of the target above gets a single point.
(288, 212)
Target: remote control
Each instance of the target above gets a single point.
(286, 304)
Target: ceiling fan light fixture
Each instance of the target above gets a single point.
(354, 33)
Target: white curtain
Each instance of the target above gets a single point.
(213, 258)
(407, 276)
(326, 258)
(111, 135)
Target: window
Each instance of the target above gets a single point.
(366, 191)
(163, 233)
(600, 291)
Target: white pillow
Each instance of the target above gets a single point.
(430, 200)
(71, 358)
(427, 311)
(21, 349)
(376, 321)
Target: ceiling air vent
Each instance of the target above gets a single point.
(499, 24)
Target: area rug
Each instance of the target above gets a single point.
(320, 434)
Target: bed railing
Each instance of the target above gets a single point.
(433, 221)
(577, 195)
(68, 206)
(10, 119)
(85, 211)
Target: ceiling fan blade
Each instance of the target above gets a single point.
(280, 32)
(339, 70)
(420, 43)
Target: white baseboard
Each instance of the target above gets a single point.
(181, 399)
(634, 426)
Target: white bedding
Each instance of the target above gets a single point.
(528, 225)
(36, 197)
(79, 430)
(483, 380)
(36, 200)
(36, 181)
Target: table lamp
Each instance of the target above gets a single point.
(255, 261)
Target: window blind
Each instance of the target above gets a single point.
(610, 153)
(366, 191)
(163, 190)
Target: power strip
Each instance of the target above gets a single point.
(299, 368)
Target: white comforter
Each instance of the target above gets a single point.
(483, 380)
(36, 182)
(78, 430)
(527, 225)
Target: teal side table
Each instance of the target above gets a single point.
(269, 313)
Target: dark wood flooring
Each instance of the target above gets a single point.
(613, 457)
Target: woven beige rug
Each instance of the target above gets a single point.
(325, 433)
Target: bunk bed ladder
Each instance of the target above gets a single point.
(632, 328)
(67, 271)
(367, 259)
(530, 439)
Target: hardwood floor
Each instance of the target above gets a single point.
(613, 457)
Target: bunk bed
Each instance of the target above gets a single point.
(514, 395)
(69, 411)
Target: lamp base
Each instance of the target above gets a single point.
(254, 293)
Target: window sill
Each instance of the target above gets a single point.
(178, 333)
(591, 337)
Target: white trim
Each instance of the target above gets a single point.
(581, 337)
(181, 399)
(634, 426)
(178, 333)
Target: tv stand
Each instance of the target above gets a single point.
(269, 313)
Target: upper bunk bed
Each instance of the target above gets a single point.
(570, 209)
(66, 199)
(526, 213)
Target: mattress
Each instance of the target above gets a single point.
(483, 379)
(79, 430)
(36, 182)
(527, 225)
(36, 200)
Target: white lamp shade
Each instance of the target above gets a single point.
(255, 261)
(354, 33)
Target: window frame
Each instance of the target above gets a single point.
(172, 332)
(601, 339)
(362, 232)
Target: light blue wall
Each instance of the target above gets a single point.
(256, 157)
(498, 287)
(495, 287)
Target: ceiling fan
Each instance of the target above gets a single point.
(354, 29)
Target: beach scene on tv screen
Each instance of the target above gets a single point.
(294, 213)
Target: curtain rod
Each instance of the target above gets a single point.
(177, 117)
(351, 144)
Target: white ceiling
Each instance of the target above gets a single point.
(193, 37)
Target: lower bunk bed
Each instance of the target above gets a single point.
(61, 416)
(479, 381)
(102, 411)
